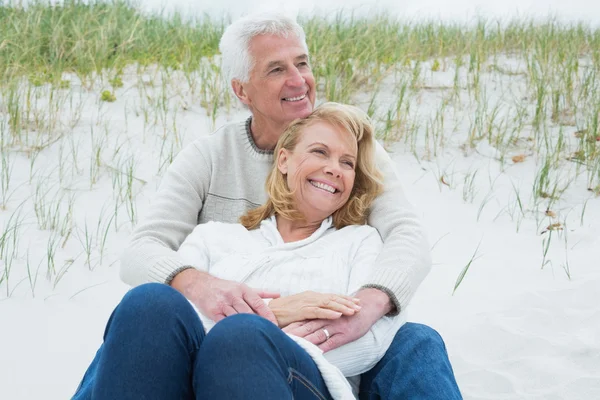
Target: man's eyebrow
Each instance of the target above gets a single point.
(324, 145)
(273, 64)
(278, 63)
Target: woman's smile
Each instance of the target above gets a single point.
(323, 186)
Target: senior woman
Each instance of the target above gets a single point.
(220, 176)
(308, 248)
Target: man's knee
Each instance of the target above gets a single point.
(422, 332)
(414, 337)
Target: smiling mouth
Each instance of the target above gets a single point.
(292, 99)
(324, 187)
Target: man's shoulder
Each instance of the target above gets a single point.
(210, 147)
(222, 134)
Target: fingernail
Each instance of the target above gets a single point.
(357, 307)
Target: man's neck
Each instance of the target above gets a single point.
(265, 133)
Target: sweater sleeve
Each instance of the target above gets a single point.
(151, 254)
(405, 258)
(361, 355)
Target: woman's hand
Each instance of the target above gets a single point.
(312, 305)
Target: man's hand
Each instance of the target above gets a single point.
(375, 304)
(219, 298)
(312, 305)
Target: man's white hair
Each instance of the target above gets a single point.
(236, 61)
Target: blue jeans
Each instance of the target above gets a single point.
(415, 367)
(155, 348)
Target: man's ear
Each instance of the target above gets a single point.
(238, 89)
(282, 159)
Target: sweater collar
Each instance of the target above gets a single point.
(268, 228)
(251, 139)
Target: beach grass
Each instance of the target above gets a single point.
(520, 91)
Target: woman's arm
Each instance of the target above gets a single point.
(312, 305)
(193, 251)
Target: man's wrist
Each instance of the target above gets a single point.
(187, 279)
(377, 299)
(176, 272)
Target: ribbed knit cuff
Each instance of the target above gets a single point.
(393, 283)
(165, 269)
(176, 272)
(395, 304)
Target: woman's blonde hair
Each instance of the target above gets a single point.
(367, 182)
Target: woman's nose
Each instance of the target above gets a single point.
(333, 170)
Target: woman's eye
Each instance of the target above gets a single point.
(349, 163)
(278, 69)
(319, 151)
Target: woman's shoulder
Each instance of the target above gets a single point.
(353, 235)
(217, 226)
(217, 231)
(357, 231)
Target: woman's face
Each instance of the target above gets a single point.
(320, 170)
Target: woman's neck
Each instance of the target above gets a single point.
(293, 231)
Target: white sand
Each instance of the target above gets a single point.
(514, 330)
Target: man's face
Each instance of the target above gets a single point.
(281, 87)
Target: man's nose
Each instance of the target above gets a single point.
(295, 78)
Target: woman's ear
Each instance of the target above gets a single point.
(282, 158)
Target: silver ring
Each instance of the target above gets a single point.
(326, 332)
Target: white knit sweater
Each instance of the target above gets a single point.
(329, 261)
(220, 176)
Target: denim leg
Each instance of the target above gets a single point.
(247, 357)
(416, 366)
(150, 345)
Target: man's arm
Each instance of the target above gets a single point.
(405, 258)
(356, 342)
(220, 298)
(361, 355)
(151, 254)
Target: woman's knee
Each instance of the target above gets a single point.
(153, 297)
(241, 341)
(240, 330)
(152, 304)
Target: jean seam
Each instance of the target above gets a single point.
(304, 381)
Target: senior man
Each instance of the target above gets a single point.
(265, 57)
